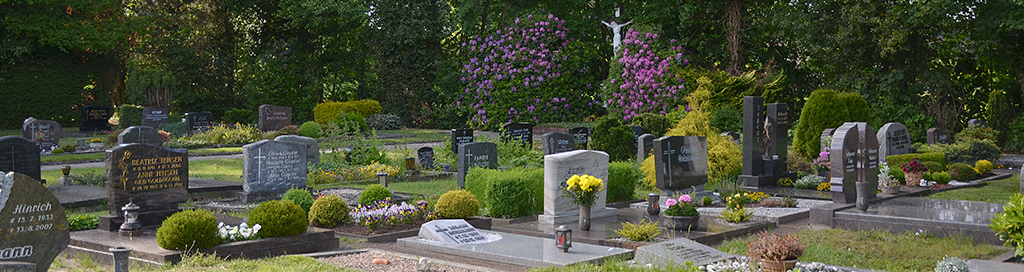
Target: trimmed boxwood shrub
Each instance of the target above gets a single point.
(129, 115)
(941, 177)
(188, 230)
(934, 166)
(895, 161)
(962, 172)
(373, 193)
(457, 204)
(325, 112)
(508, 193)
(300, 196)
(826, 109)
(653, 123)
(279, 218)
(328, 211)
(310, 129)
(968, 151)
(622, 180)
(614, 138)
(386, 121)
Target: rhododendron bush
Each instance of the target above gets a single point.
(531, 71)
(642, 78)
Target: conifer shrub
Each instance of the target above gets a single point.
(188, 230)
(997, 114)
(623, 178)
(310, 129)
(279, 218)
(325, 112)
(826, 109)
(328, 211)
(614, 138)
(373, 193)
(457, 204)
(508, 193)
(962, 172)
(301, 197)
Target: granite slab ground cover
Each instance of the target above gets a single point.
(522, 250)
(901, 214)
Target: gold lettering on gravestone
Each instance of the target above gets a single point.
(150, 173)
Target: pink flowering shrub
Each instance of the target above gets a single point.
(531, 71)
(642, 79)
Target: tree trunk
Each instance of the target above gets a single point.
(734, 26)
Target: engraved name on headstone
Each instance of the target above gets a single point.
(556, 142)
(274, 117)
(843, 157)
(582, 135)
(425, 158)
(676, 252)
(893, 139)
(461, 136)
(152, 177)
(938, 136)
(558, 168)
(44, 133)
(154, 117)
(33, 226)
(94, 118)
(753, 143)
(273, 166)
(520, 132)
(312, 146)
(199, 121)
(451, 231)
(476, 154)
(681, 162)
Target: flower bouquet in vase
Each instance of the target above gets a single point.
(913, 172)
(583, 192)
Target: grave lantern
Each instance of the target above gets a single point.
(652, 204)
(563, 238)
(66, 169)
(410, 163)
(382, 178)
(131, 224)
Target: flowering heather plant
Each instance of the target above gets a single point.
(822, 161)
(242, 232)
(527, 71)
(642, 78)
(385, 212)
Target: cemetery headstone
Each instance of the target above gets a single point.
(938, 136)
(753, 143)
(270, 168)
(826, 135)
(976, 122)
(274, 117)
(558, 168)
(582, 136)
(676, 252)
(556, 142)
(893, 139)
(94, 118)
(733, 136)
(681, 164)
(33, 226)
(198, 121)
(637, 131)
(451, 232)
(777, 139)
(482, 154)
(868, 157)
(644, 146)
(82, 144)
(140, 135)
(17, 154)
(312, 146)
(154, 117)
(44, 133)
(520, 132)
(843, 157)
(152, 177)
(459, 137)
(425, 158)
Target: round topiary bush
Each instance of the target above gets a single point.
(373, 193)
(188, 230)
(279, 218)
(614, 138)
(328, 211)
(300, 197)
(934, 166)
(826, 109)
(962, 172)
(457, 204)
(310, 129)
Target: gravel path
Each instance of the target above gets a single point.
(364, 261)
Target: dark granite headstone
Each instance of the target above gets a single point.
(482, 154)
(95, 118)
(753, 143)
(582, 136)
(868, 157)
(777, 128)
(274, 117)
(33, 226)
(19, 155)
(825, 135)
(312, 146)
(637, 131)
(153, 177)
(44, 133)
(644, 146)
(681, 162)
(154, 117)
(556, 142)
(199, 121)
(843, 158)
(270, 166)
(976, 122)
(893, 139)
(521, 132)
(938, 136)
(425, 158)
(459, 137)
(141, 135)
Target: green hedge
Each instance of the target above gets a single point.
(508, 193)
(622, 180)
(129, 115)
(826, 109)
(895, 161)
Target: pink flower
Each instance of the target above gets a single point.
(670, 202)
(684, 198)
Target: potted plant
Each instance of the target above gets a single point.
(583, 192)
(96, 143)
(913, 172)
(886, 182)
(776, 253)
(681, 214)
(820, 165)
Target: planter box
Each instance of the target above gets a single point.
(477, 222)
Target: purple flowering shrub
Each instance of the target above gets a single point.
(530, 71)
(642, 79)
(385, 212)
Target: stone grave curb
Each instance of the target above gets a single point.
(510, 221)
(709, 239)
(105, 257)
(477, 222)
(400, 255)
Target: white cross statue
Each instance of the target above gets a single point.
(617, 29)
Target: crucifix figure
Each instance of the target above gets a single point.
(616, 27)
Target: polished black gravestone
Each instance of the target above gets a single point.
(893, 139)
(154, 117)
(482, 154)
(461, 136)
(520, 132)
(843, 158)
(556, 142)
(44, 133)
(868, 158)
(19, 155)
(33, 226)
(274, 117)
(681, 163)
(582, 135)
(152, 177)
(140, 135)
(425, 158)
(753, 143)
(776, 141)
(938, 136)
(94, 118)
(198, 121)
(269, 168)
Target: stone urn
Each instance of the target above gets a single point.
(685, 223)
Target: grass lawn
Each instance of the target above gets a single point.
(219, 169)
(205, 263)
(421, 135)
(997, 191)
(102, 155)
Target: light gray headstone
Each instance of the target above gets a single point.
(141, 135)
(476, 154)
(425, 158)
(893, 139)
(33, 226)
(451, 231)
(824, 136)
(273, 165)
(676, 252)
(644, 146)
(938, 136)
(44, 133)
(556, 142)
(558, 168)
(312, 146)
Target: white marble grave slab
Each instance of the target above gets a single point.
(452, 232)
(521, 250)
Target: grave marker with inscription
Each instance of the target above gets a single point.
(312, 146)
(777, 139)
(681, 164)
(44, 133)
(869, 156)
(938, 136)
(19, 155)
(520, 132)
(558, 168)
(274, 117)
(459, 137)
(676, 252)
(451, 232)
(753, 142)
(556, 142)
(33, 226)
(425, 158)
(198, 121)
(140, 135)
(893, 139)
(582, 135)
(154, 117)
(272, 167)
(95, 118)
(482, 154)
(153, 177)
(843, 157)
(644, 146)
